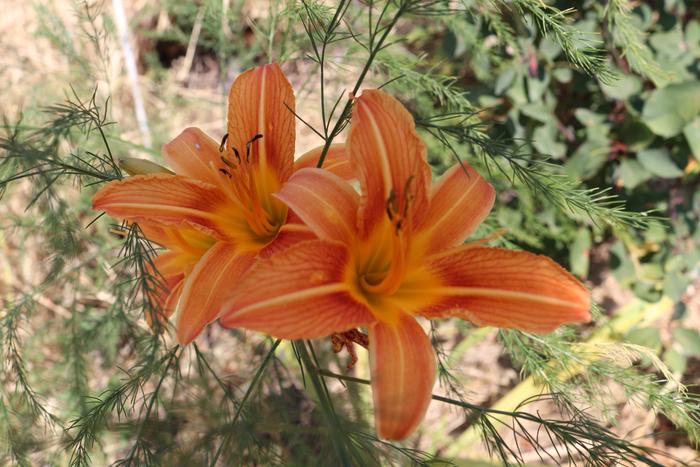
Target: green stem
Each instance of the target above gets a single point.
(323, 395)
(340, 123)
(253, 385)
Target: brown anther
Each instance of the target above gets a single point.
(227, 162)
(407, 195)
(223, 143)
(225, 172)
(348, 339)
(237, 154)
(247, 146)
(391, 204)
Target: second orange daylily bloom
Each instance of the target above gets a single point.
(395, 252)
(216, 214)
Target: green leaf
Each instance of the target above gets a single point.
(651, 272)
(563, 75)
(670, 109)
(633, 173)
(537, 111)
(589, 118)
(692, 136)
(623, 88)
(587, 160)
(647, 336)
(658, 162)
(675, 361)
(544, 140)
(453, 44)
(636, 135)
(505, 80)
(675, 285)
(579, 254)
(687, 340)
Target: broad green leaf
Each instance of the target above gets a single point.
(505, 80)
(589, 118)
(692, 136)
(658, 162)
(687, 341)
(544, 140)
(537, 112)
(675, 285)
(670, 109)
(587, 160)
(647, 336)
(633, 173)
(675, 361)
(563, 75)
(636, 135)
(646, 291)
(579, 257)
(622, 88)
(668, 43)
(651, 272)
(656, 232)
(692, 37)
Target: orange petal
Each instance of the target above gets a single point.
(164, 294)
(208, 286)
(402, 363)
(173, 298)
(325, 202)
(508, 289)
(388, 157)
(289, 235)
(299, 293)
(336, 161)
(459, 202)
(180, 239)
(168, 200)
(261, 101)
(194, 154)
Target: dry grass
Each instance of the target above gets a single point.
(35, 73)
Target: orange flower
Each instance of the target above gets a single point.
(392, 254)
(216, 214)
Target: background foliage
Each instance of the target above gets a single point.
(584, 115)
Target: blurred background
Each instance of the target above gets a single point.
(559, 111)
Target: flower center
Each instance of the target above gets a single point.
(383, 266)
(250, 188)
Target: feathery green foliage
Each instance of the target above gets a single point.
(237, 399)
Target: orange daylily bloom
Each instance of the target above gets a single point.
(395, 252)
(215, 214)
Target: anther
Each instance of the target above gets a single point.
(247, 146)
(235, 153)
(227, 162)
(223, 143)
(407, 194)
(225, 172)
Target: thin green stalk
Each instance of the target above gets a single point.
(323, 394)
(340, 123)
(251, 388)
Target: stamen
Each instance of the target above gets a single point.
(227, 162)
(238, 156)
(225, 172)
(407, 195)
(247, 146)
(347, 339)
(222, 146)
(391, 205)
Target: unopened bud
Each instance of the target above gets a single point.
(134, 166)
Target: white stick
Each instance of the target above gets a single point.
(130, 61)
